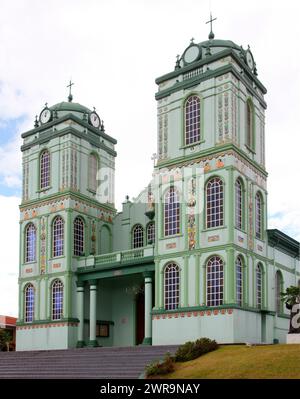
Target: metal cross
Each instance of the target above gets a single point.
(211, 35)
(211, 21)
(192, 40)
(70, 97)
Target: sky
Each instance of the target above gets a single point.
(113, 50)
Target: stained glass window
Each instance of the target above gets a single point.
(151, 233)
(192, 120)
(78, 237)
(238, 204)
(171, 212)
(214, 203)
(29, 303)
(45, 169)
(138, 236)
(58, 236)
(239, 280)
(171, 286)
(258, 216)
(57, 299)
(214, 281)
(30, 244)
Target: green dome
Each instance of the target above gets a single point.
(220, 43)
(70, 107)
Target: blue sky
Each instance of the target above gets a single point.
(9, 129)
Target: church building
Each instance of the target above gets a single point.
(191, 256)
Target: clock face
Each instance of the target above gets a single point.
(94, 119)
(191, 54)
(249, 60)
(45, 115)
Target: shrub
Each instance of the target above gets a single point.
(160, 367)
(192, 350)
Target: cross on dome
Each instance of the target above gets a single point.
(211, 34)
(70, 96)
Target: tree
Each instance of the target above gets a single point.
(5, 339)
(292, 297)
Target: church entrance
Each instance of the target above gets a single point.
(140, 317)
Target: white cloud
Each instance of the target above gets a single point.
(9, 259)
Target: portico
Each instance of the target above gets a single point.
(114, 299)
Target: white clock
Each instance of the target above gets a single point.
(45, 115)
(249, 59)
(191, 54)
(94, 119)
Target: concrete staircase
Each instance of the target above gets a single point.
(123, 362)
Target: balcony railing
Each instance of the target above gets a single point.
(117, 257)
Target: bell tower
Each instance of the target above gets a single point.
(68, 197)
(212, 206)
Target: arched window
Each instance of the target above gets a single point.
(214, 203)
(278, 290)
(192, 120)
(29, 303)
(239, 204)
(45, 169)
(258, 215)
(214, 281)
(78, 237)
(171, 212)
(259, 285)
(58, 236)
(30, 243)
(151, 233)
(57, 299)
(138, 236)
(171, 286)
(93, 169)
(249, 122)
(239, 280)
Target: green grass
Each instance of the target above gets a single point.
(239, 361)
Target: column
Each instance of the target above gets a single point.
(80, 313)
(148, 308)
(93, 312)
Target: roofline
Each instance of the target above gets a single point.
(207, 60)
(277, 238)
(75, 119)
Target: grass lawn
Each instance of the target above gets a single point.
(239, 361)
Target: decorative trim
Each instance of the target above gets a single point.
(58, 200)
(46, 324)
(214, 154)
(195, 313)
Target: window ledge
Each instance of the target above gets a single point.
(185, 146)
(42, 190)
(207, 230)
(172, 236)
(57, 257)
(241, 230)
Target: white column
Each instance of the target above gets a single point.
(80, 313)
(93, 312)
(148, 308)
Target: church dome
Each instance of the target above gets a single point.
(221, 44)
(199, 51)
(70, 107)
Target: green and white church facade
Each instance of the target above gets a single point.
(191, 256)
